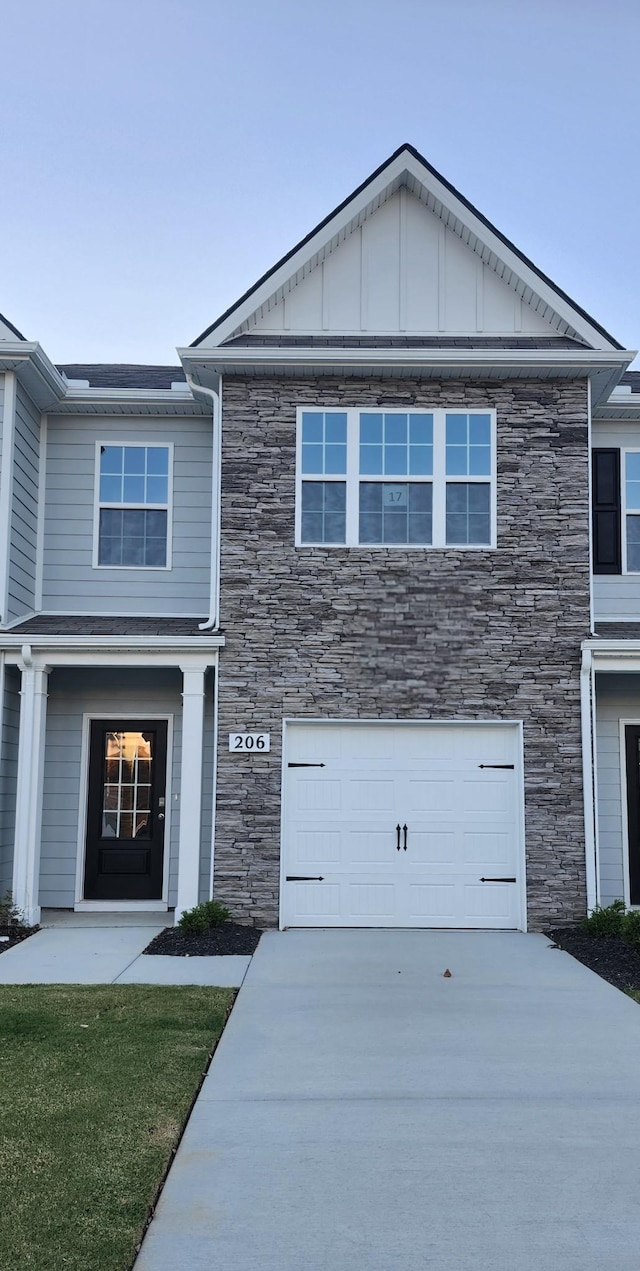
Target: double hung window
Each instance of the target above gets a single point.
(380, 478)
(133, 506)
(631, 518)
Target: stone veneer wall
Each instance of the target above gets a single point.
(442, 634)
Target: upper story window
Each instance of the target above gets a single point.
(631, 519)
(393, 478)
(133, 506)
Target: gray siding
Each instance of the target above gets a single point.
(73, 693)
(70, 581)
(616, 597)
(373, 633)
(8, 774)
(617, 697)
(1, 417)
(24, 508)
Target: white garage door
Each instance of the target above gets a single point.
(402, 825)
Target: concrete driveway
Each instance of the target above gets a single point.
(363, 1113)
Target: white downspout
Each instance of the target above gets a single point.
(213, 621)
(587, 779)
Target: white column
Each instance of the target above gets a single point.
(190, 786)
(29, 790)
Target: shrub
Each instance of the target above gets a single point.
(607, 922)
(198, 920)
(631, 927)
(10, 915)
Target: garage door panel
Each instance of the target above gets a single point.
(321, 902)
(431, 795)
(436, 900)
(371, 847)
(371, 795)
(373, 900)
(316, 846)
(490, 852)
(315, 795)
(489, 902)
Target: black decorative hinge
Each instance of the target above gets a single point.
(305, 765)
(496, 765)
(305, 878)
(498, 880)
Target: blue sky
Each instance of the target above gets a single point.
(159, 155)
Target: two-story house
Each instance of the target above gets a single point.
(356, 525)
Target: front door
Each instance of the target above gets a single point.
(126, 809)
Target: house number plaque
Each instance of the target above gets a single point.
(250, 741)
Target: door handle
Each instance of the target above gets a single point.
(161, 816)
(404, 829)
(398, 834)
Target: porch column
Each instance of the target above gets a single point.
(29, 789)
(190, 785)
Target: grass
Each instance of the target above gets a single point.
(95, 1086)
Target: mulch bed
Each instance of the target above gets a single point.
(16, 935)
(228, 938)
(610, 958)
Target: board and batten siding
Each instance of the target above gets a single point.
(24, 508)
(617, 697)
(9, 774)
(400, 271)
(70, 582)
(72, 694)
(616, 597)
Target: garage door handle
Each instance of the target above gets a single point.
(497, 765)
(404, 830)
(398, 837)
(498, 880)
(305, 878)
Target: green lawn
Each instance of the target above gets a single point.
(95, 1085)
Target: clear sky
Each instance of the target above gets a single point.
(157, 156)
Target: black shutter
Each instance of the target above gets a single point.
(607, 551)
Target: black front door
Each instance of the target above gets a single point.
(125, 813)
(632, 739)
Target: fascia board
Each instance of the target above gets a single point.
(24, 356)
(241, 356)
(406, 162)
(121, 644)
(82, 400)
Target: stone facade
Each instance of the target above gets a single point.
(443, 634)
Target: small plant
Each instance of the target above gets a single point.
(606, 922)
(631, 927)
(10, 915)
(198, 920)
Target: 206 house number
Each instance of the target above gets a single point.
(260, 742)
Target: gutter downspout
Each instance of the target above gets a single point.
(587, 779)
(213, 621)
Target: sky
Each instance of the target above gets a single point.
(159, 155)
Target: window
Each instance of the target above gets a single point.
(631, 517)
(133, 507)
(394, 478)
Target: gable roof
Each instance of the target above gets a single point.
(407, 167)
(11, 330)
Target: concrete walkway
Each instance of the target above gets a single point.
(362, 1113)
(83, 949)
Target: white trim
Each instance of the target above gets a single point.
(519, 773)
(83, 798)
(6, 487)
(191, 783)
(41, 512)
(29, 789)
(108, 504)
(588, 791)
(120, 906)
(443, 202)
(596, 787)
(106, 613)
(214, 790)
(352, 478)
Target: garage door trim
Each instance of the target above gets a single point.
(513, 724)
